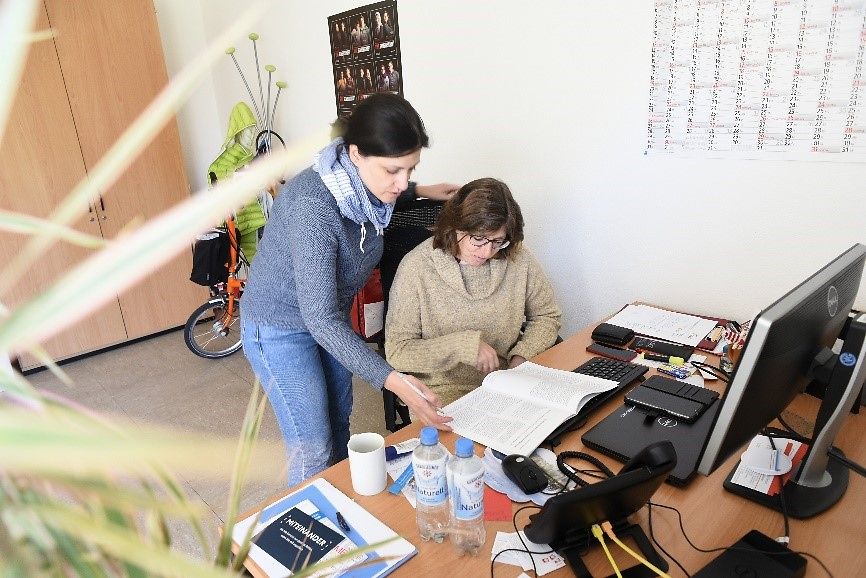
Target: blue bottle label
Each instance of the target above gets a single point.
(430, 482)
(468, 496)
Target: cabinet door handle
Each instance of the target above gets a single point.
(90, 210)
(101, 203)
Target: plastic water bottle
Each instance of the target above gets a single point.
(431, 488)
(466, 490)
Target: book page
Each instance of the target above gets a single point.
(515, 409)
(546, 386)
(506, 423)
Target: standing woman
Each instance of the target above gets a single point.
(322, 241)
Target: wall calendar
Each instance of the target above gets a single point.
(764, 79)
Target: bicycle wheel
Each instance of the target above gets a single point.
(207, 334)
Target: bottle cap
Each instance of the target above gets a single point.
(464, 448)
(429, 436)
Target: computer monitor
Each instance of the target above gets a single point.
(776, 364)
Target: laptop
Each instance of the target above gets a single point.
(629, 429)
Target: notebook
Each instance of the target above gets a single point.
(628, 430)
(305, 527)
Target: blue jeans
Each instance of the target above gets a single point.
(310, 392)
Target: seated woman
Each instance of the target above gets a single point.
(460, 299)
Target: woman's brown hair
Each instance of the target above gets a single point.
(480, 207)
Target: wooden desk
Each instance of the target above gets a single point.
(712, 517)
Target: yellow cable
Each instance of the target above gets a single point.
(609, 531)
(596, 531)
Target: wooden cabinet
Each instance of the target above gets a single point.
(78, 94)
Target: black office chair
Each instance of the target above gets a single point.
(410, 225)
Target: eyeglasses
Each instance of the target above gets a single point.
(481, 241)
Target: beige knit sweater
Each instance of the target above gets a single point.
(440, 310)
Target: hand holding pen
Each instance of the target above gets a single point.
(422, 402)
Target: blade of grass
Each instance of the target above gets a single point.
(132, 142)
(323, 565)
(125, 261)
(161, 475)
(112, 495)
(122, 544)
(32, 443)
(17, 19)
(60, 548)
(249, 433)
(30, 225)
(16, 388)
(45, 359)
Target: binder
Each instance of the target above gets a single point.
(299, 528)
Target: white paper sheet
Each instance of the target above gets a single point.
(662, 324)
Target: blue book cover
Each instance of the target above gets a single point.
(296, 539)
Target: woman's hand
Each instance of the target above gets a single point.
(437, 192)
(422, 402)
(488, 359)
(515, 361)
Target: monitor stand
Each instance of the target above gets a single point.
(578, 543)
(819, 482)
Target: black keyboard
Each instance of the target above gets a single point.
(612, 369)
(623, 372)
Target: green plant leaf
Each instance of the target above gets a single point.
(45, 359)
(249, 433)
(15, 386)
(17, 19)
(32, 443)
(30, 225)
(120, 542)
(125, 261)
(316, 568)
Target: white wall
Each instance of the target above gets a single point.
(553, 100)
(201, 126)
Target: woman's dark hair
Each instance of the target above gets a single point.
(385, 125)
(480, 207)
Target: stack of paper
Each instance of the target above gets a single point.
(663, 324)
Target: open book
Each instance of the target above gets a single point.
(305, 528)
(515, 409)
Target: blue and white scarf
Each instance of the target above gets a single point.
(340, 175)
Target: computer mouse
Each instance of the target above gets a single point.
(525, 473)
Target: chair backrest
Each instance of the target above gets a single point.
(410, 226)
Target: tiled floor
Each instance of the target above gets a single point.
(159, 381)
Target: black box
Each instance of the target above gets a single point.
(612, 335)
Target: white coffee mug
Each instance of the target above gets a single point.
(367, 463)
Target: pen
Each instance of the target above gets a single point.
(672, 359)
(413, 387)
(343, 524)
(420, 393)
(404, 479)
